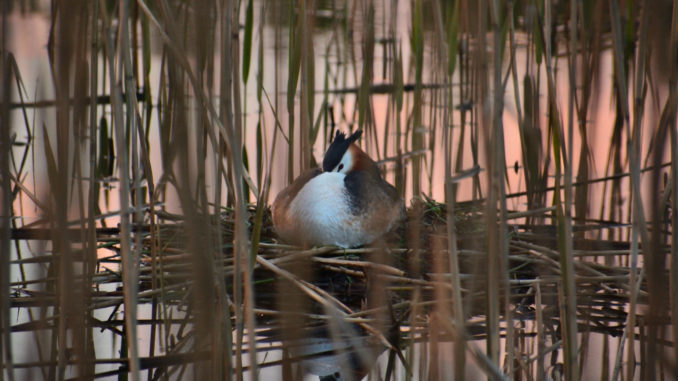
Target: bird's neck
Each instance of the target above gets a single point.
(363, 162)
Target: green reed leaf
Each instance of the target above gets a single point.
(247, 44)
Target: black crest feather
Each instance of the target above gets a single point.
(337, 149)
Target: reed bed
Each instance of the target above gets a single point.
(534, 143)
(342, 278)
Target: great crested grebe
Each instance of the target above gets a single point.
(347, 203)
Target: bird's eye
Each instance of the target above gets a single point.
(341, 166)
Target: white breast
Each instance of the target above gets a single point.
(321, 208)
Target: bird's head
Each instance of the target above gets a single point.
(344, 156)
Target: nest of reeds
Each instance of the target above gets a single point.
(391, 294)
(409, 271)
